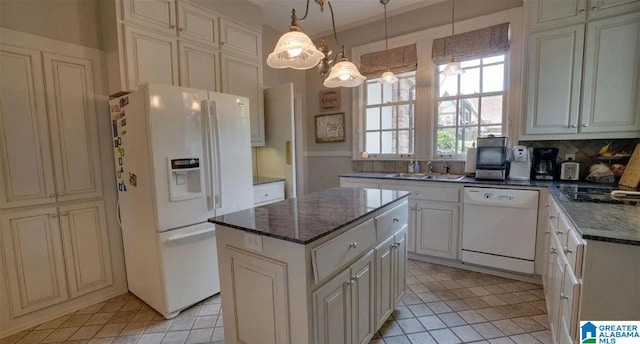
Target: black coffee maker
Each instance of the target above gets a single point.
(544, 163)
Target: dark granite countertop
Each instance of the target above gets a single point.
(308, 218)
(257, 180)
(616, 223)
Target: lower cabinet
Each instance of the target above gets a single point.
(343, 306)
(437, 229)
(391, 264)
(53, 255)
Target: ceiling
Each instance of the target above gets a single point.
(348, 13)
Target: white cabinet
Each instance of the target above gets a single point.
(157, 14)
(343, 306)
(400, 264)
(199, 67)
(391, 260)
(244, 78)
(71, 101)
(264, 194)
(611, 90)
(547, 13)
(86, 247)
(236, 38)
(34, 259)
(554, 78)
(603, 8)
(26, 169)
(197, 25)
(437, 229)
(151, 57)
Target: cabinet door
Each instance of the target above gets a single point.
(549, 13)
(34, 259)
(362, 299)
(237, 38)
(159, 15)
(332, 311)
(611, 94)
(384, 281)
(553, 80)
(26, 170)
(86, 247)
(437, 229)
(150, 57)
(569, 299)
(549, 256)
(244, 78)
(72, 120)
(199, 67)
(197, 25)
(556, 280)
(604, 8)
(411, 231)
(399, 265)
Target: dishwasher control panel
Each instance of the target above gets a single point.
(501, 197)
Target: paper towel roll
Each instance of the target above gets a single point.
(470, 164)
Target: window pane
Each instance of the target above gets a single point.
(468, 111)
(373, 142)
(373, 119)
(388, 142)
(491, 110)
(493, 78)
(470, 81)
(446, 141)
(388, 118)
(493, 59)
(448, 85)
(406, 86)
(374, 94)
(470, 63)
(466, 138)
(405, 116)
(447, 113)
(387, 93)
(405, 141)
(491, 130)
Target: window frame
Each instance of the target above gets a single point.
(436, 90)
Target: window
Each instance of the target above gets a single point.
(390, 115)
(470, 104)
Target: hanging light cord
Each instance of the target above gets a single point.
(386, 37)
(453, 15)
(333, 24)
(293, 14)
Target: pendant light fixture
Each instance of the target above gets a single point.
(453, 67)
(296, 50)
(387, 77)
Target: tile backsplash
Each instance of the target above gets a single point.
(586, 152)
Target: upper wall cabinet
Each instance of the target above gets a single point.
(199, 67)
(197, 25)
(240, 39)
(159, 15)
(150, 57)
(26, 169)
(544, 14)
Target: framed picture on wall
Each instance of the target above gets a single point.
(329, 100)
(330, 128)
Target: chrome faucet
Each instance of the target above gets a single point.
(429, 166)
(446, 168)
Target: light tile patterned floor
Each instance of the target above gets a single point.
(443, 305)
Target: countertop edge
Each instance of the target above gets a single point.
(268, 180)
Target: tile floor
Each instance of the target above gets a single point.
(442, 305)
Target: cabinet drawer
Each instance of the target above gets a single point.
(563, 228)
(268, 193)
(574, 251)
(427, 192)
(339, 251)
(391, 221)
(569, 300)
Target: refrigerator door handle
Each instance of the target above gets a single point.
(190, 235)
(209, 154)
(214, 147)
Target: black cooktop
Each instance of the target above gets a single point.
(593, 195)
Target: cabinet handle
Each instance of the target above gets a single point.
(563, 296)
(395, 219)
(552, 250)
(353, 244)
(172, 26)
(54, 215)
(181, 30)
(574, 126)
(552, 217)
(559, 232)
(266, 195)
(582, 10)
(546, 232)
(584, 125)
(567, 250)
(350, 282)
(52, 195)
(594, 8)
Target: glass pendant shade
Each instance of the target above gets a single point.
(453, 68)
(388, 78)
(294, 50)
(344, 74)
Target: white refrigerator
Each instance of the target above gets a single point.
(182, 156)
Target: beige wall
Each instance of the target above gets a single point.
(324, 170)
(73, 21)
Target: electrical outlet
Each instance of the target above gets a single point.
(568, 157)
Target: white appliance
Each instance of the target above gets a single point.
(499, 228)
(182, 156)
(521, 162)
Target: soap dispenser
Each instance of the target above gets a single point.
(416, 166)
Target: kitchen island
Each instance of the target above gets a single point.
(328, 267)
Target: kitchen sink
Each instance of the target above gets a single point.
(432, 176)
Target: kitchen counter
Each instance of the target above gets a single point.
(306, 219)
(257, 180)
(615, 223)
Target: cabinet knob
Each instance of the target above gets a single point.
(584, 125)
(52, 195)
(266, 195)
(395, 219)
(594, 8)
(412, 208)
(395, 245)
(582, 10)
(552, 250)
(416, 192)
(54, 215)
(552, 217)
(350, 282)
(563, 296)
(574, 126)
(546, 205)
(559, 232)
(181, 30)
(567, 250)
(546, 232)
(353, 244)
(172, 26)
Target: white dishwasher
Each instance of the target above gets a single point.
(499, 228)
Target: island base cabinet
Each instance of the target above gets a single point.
(391, 264)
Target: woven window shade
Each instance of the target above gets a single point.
(490, 40)
(402, 59)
